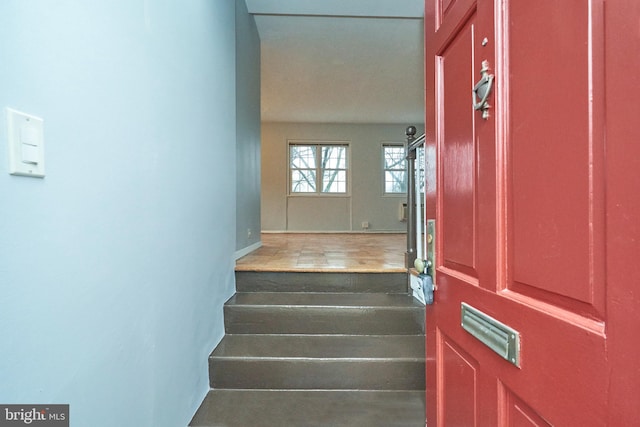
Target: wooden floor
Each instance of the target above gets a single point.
(362, 253)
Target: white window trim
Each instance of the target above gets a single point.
(383, 169)
(319, 142)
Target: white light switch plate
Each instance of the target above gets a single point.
(26, 144)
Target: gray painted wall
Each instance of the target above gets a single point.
(115, 266)
(281, 212)
(247, 131)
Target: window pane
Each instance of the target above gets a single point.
(420, 159)
(303, 156)
(318, 168)
(394, 157)
(395, 174)
(395, 182)
(334, 157)
(303, 181)
(334, 181)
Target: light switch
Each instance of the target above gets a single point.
(30, 154)
(29, 134)
(30, 138)
(26, 144)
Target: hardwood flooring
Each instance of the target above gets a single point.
(327, 252)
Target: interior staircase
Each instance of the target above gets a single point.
(318, 349)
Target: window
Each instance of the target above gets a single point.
(395, 168)
(318, 168)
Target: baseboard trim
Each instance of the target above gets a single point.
(332, 232)
(242, 252)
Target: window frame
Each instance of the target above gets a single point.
(319, 144)
(394, 144)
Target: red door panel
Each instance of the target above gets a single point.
(519, 414)
(458, 372)
(555, 142)
(524, 213)
(445, 6)
(458, 175)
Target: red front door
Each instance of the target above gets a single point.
(536, 226)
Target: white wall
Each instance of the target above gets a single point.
(248, 131)
(366, 202)
(114, 268)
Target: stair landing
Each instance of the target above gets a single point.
(328, 252)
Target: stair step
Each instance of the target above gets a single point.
(322, 346)
(318, 362)
(325, 299)
(311, 408)
(335, 374)
(277, 281)
(323, 313)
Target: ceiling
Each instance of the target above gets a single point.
(341, 61)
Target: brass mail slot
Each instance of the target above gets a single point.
(496, 335)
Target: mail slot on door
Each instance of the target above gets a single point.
(496, 335)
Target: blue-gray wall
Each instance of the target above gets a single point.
(114, 268)
(248, 131)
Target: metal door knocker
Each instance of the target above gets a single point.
(482, 89)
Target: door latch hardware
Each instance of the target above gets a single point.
(499, 337)
(422, 287)
(482, 89)
(431, 249)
